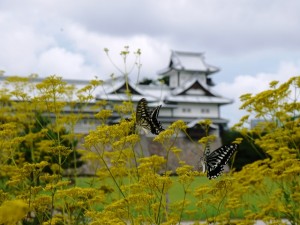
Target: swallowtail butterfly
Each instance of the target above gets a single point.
(146, 119)
(215, 161)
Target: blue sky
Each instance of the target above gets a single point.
(253, 42)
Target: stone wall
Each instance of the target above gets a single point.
(191, 153)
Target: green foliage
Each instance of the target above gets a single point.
(129, 187)
(38, 143)
(278, 135)
(248, 151)
(37, 127)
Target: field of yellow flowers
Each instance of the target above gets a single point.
(128, 187)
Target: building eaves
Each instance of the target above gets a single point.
(124, 97)
(199, 99)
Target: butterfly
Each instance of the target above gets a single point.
(147, 119)
(215, 161)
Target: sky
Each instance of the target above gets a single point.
(252, 41)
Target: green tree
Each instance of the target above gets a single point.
(41, 123)
(248, 151)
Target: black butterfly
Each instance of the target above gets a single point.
(214, 162)
(146, 119)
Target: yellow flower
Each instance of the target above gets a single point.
(12, 212)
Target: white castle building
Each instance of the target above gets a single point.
(187, 95)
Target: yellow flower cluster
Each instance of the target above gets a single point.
(11, 212)
(129, 186)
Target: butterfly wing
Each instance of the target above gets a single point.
(142, 114)
(155, 125)
(216, 160)
(146, 119)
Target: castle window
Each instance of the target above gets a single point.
(186, 110)
(205, 110)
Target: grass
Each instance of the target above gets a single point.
(175, 194)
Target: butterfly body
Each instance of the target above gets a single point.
(146, 119)
(215, 161)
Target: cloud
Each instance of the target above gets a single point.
(155, 54)
(70, 65)
(225, 27)
(20, 47)
(72, 51)
(253, 84)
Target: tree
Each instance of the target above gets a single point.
(248, 151)
(41, 123)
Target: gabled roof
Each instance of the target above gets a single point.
(116, 85)
(115, 90)
(189, 61)
(193, 83)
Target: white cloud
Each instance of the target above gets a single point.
(63, 63)
(72, 52)
(155, 54)
(20, 47)
(226, 28)
(253, 84)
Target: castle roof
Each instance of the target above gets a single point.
(114, 90)
(189, 61)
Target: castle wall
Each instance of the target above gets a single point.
(191, 151)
